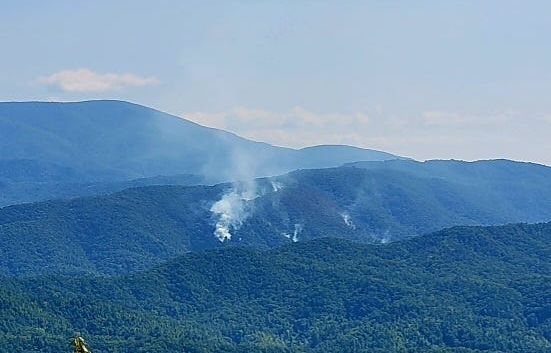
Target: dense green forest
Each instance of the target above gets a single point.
(138, 228)
(464, 289)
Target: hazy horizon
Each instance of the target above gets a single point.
(426, 80)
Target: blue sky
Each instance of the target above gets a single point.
(426, 79)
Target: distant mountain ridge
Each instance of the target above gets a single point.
(140, 227)
(461, 171)
(44, 145)
(135, 141)
(27, 181)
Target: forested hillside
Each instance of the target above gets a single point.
(141, 227)
(465, 289)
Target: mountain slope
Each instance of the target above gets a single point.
(56, 150)
(472, 173)
(465, 289)
(67, 186)
(138, 228)
(132, 141)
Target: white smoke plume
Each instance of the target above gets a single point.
(385, 239)
(296, 232)
(276, 185)
(231, 210)
(234, 207)
(348, 220)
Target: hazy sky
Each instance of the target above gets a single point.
(425, 79)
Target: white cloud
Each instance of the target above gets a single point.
(297, 127)
(443, 118)
(86, 80)
(426, 134)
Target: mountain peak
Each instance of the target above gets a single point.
(137, 141)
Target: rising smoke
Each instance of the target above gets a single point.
(236, 205)
(231, 211)
(276, 185)
(385, 238)
(296, 231)
(348, 220)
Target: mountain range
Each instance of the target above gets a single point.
(45, 144)
(148, 233)
(138, 228)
